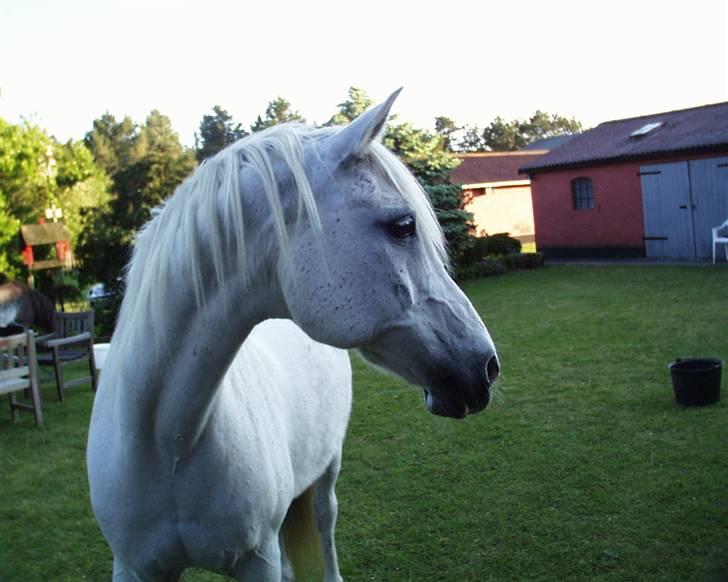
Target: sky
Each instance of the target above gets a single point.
(64, 63)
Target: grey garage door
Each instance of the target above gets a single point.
(682, 202)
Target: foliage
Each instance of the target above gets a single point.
(491, 266)
(115, 144)
(9, 248)
(278, 111)
(35, 172)
(502, 243)
(472, 140)
(106, 312)
(495, 254)
(357, 103)
(495, 245)
(485, 267)
(27, 168)
(502, 135)
(82, 187)
(477, 251)
(148, 162)
(217, 131)
(446, 128)
(513, 135)
(453, 218)
(542, 125)
(584, 465)
(524, 260)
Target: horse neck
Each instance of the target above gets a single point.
(172, 381)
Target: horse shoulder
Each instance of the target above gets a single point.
(301, 392)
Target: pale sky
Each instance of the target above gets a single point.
(64, 63)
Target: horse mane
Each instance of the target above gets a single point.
(205, 217)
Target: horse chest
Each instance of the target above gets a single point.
(209, 511)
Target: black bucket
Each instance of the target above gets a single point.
(696, 381)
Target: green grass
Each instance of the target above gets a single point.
(584, 468)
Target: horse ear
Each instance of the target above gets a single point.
(353, 139)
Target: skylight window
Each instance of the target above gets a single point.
(645, 129)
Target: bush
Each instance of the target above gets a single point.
(487, 267)
(476, 252)
(503, 244)
(469, 271)
(524, 260)
(491, 266)
(499, 244)
(106, 312)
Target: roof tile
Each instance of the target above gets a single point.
(695, 129)
(479, 168)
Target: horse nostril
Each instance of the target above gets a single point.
(492, 369)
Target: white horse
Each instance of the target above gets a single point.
(206, 428)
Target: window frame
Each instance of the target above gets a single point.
(582, 193)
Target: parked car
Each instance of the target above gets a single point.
(97, 291)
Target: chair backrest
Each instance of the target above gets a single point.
(17, 354)
(717, 229)
(74, 323)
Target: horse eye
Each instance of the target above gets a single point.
(403, 227)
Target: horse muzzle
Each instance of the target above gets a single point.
(455, 397)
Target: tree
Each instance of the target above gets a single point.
(114, 144)
(472, 140)
(501, 135)
(156, 164)
(167, 162)
(12, 175)
(278, 111)
(446, 128)
(27, 169)
(35, 172)
(217, 131)
(542, 125)
(357, 103)
(513, 135)
(81, 186)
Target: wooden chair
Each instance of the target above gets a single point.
(19, 372)
(73, 341)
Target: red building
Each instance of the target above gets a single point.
(497, 196)
(647, 186)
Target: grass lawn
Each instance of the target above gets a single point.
(584, 468)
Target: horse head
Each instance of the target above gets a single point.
(375, 276)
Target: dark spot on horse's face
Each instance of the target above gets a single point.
(403, 295)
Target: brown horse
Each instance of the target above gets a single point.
(22, 305)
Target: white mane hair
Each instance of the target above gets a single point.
(204, 219)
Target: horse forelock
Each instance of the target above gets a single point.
(205, 218)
